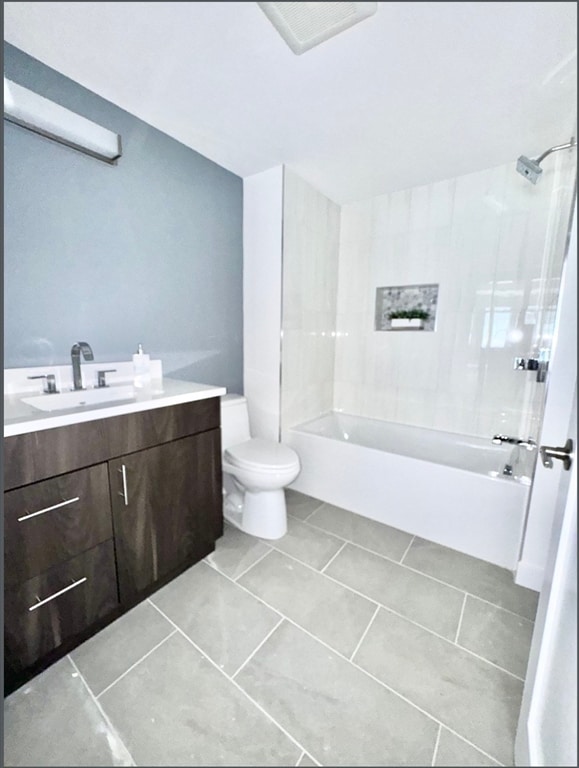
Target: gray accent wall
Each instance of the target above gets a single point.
(148, 251)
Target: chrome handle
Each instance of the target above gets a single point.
(56, 594)
(49, 509)
(50, 388)
(102, 377)
(124, 493)
(563, 453)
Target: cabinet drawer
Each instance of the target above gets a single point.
(38, 455)
(49, 522)
(43, 612)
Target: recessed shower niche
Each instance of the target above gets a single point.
(406, 307)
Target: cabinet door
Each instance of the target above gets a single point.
(166, 505)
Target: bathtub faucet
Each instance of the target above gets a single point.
(529, 444)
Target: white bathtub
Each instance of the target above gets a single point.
(437, 485)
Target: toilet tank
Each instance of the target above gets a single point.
(234, 420)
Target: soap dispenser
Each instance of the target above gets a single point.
(141, 368)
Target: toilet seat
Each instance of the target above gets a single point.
(262, 455)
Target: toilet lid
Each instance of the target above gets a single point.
(262, 454)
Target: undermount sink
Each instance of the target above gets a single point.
(81, 397)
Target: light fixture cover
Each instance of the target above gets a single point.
(304, 25)
(42, 116)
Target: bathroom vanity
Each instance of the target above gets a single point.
(102, 506)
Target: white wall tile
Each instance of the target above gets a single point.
(310, 283)
(487, 240)
(492, 241)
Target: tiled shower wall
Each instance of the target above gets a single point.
(495, 244)
(311, 228)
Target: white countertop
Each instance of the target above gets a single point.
(20, 418)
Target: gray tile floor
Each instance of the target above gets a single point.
(344, 643)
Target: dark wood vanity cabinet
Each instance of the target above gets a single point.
(97, 515)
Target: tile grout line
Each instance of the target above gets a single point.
(433, 761)
(376, 603)
(385, 557)
(101, 709)
(500, 607)
(460, 619)
(470, 743)
(364, 633)
(305, 754)
(126, 672)
(235, 683)
(259, 559)
(402, 564)
(256, 649)
(307, 517)
(412, 704)
(420, 573)
(331, 560)
(407, 550)
(491, 663)
(333, 650)
(380, 605)
(317, 639)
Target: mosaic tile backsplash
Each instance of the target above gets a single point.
(395, 298)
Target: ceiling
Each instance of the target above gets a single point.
(417, 93)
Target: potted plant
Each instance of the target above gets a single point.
(408, 318)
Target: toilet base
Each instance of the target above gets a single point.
(262, 514)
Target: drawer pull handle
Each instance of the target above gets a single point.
(56, 594)
(48, 509)
(124, 493)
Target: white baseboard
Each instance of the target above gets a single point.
(529, 575)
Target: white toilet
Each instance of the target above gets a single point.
(255, 473)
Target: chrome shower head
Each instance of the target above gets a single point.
(531, 169)
(528, 168)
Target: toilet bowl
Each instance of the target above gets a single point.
(255, 473)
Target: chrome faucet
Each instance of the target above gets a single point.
(75, 352)
(528, 444)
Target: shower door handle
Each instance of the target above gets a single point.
(548, 453)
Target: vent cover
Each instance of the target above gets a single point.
(304, 25)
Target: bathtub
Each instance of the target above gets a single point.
(441, 486)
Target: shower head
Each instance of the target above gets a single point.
(531, 169)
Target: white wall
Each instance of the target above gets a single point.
(310, 278)
(494, 243)
(262, 259)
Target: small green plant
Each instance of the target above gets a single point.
(409, 314)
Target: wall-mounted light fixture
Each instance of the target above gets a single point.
(42, 116)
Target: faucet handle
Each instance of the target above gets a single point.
(102, 377)
(50, 384)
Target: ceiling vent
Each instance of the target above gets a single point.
(304, 25)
